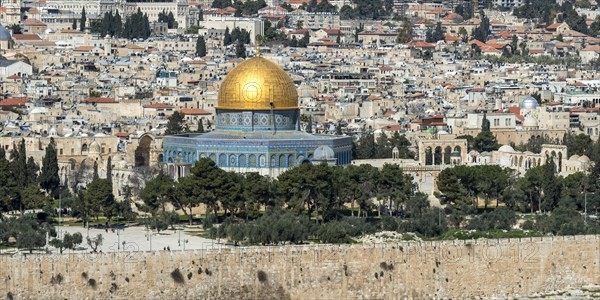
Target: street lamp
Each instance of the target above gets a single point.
(149, 236)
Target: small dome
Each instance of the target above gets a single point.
(4, 34)
(530, 122)
(323, 153)
(95, 148)
(455, 153)
(574, 157)
(506, 148)
(584, 159)
(529, 103)
(442, 132)
(395, 150)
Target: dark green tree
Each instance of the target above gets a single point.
(550, 187)
(49, 179)
(101, 199)
(32, 171)
(74, 24)
(240, 49)
(485, 140)
(200, 47)
(157, 193)
(347, 13)
(227, 37)
(175, 124)
(83, 20)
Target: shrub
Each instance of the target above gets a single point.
(333, 232)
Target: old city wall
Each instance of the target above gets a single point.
(420, 270)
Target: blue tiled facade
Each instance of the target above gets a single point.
(241, 145)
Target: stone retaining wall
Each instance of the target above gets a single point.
(418, 270)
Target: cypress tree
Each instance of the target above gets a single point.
(240, 49)
(550, 186)
(109, 170)
(200, 47)
(32, 171)
(117, 24)
(49, 179)
(227, 37)
(83, 20)
(95, 175)
(74, 25)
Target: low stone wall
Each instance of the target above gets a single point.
(418, 270)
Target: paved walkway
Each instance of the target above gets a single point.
(138, 239)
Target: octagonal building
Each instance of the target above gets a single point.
(257, 127)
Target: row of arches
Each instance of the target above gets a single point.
(236, 160)
(443, 156)
(525, 162)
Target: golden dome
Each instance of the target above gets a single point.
(255, 84)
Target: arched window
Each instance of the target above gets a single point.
(262, 160)
(213, 157)
(281, 160)
(232, 160)
(222, 160)
(242, 161)
(252, 161)
(290, 161)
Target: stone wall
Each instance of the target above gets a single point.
(419, 270)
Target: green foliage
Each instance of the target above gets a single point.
(240, 49)
(550, 187)
(333, 232)
(432, 222)
(29, 232)
(236, 36)
(466, 10)
(136, 26)
(100, 199)
(485, 141)
(347, 13)
(247, 8)
(49, 179)
(580, 144)
(221, 4)
(540, 10)
(83, 20)
(200, 47)
(482, 31)
(159, 191)
(95, 242)
(168, 18)
(110, 24)
(405, 32)
(462, 184)
(69, 241)
(175, 124)
(498, 219)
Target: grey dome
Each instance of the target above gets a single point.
(529, 103)
(4, 34)
(323, 153)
